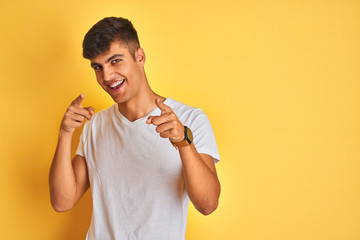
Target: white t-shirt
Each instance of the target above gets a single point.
(136, 176)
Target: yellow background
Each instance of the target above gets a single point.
(278, 79)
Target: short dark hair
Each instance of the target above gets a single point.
(108, 30)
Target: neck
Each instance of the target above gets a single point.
(141, 105)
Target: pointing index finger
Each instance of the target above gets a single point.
(78, 100)
(163, 107)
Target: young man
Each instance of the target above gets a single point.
(144, 157)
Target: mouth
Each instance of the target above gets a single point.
(116, 85)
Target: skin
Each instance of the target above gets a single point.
(68, 178)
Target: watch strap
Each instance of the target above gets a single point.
(181, 144)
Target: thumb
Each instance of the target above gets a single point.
(149, 120)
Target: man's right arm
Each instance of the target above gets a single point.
(68, 178)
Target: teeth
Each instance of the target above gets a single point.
(115, 84)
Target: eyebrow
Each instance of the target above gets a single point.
(108, 60)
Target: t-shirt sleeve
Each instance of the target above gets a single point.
(80, 149)
(203, 135)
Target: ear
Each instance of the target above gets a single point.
(140, 56)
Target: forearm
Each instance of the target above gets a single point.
(202, 184)
(62, 179)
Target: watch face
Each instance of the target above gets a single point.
(189, 135)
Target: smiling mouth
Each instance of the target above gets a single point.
(116, 85)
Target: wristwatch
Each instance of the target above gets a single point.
(187, 140)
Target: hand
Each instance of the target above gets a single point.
(168, 124)
(75, 115)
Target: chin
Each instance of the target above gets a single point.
(118, 99)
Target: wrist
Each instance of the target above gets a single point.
(186, 140)
(65, 134)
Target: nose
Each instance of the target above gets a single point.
(108, 74)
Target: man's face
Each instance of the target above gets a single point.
(118, 73)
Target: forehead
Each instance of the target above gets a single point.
(115, 48)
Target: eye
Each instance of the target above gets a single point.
(115, 61)
(97, 67)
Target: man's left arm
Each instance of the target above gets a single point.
(201, 181)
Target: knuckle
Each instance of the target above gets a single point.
(67, 117)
